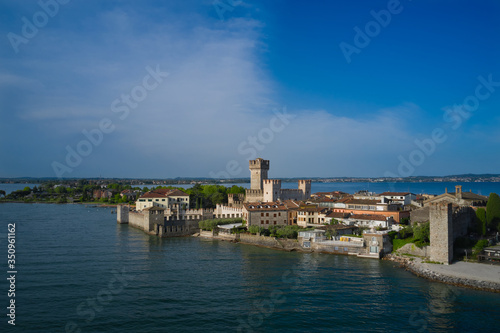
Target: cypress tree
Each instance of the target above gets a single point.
(493, 211)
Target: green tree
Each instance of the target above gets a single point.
(481, 221)
(422, 233)
(236, 190)
(254, 229)
(3, 193)
(61, 189)
(27, 189)
(114, 186)
(493, 211)
(406, 232)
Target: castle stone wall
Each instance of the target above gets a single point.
(441, 232)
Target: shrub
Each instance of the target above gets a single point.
(480, 245)
(254, 229)
(406, 232)
(422, 233)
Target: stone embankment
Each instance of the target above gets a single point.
(471, 275)
(262, 241)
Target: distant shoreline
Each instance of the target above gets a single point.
(100, 204)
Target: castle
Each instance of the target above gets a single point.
(263, 189)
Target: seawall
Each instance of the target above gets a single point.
(469, 275)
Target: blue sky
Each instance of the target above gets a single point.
(196, 88)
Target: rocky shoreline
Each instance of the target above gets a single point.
(415, 266)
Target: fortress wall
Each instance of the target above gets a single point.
(420, 215)
(254, 195)
(139, 220)
(122, 214)
(291, 194)
(463, 219)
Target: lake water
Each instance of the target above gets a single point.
(79, 270)
(417, 188)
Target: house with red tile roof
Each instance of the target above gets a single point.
(165, 198)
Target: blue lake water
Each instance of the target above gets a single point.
(417, 188)
(78, 270)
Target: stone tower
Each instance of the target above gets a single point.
(441, 217)
(258, 172)
(305, 187)
(122, 213)
(272, 189)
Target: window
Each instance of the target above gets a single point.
(261, 214)
(267, 221)
(267, 214)
(274, 214)
(150, 200)
(157, 199)
(162, 199)
(274, 222)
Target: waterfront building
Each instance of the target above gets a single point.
(310, 216)
(265, 214)
(369, 220)
(129, 194)
(403, 198)
(166, 198)
(98, 194)
(459, 198)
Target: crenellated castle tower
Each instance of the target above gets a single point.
(258, 173)
(269, 190)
